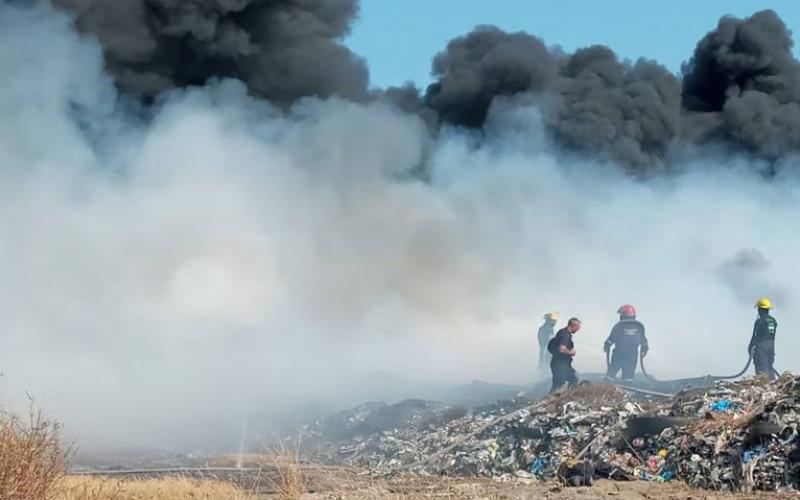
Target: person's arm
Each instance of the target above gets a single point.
(753, 338)
(644, 346)
(611, 340)
(562, 346)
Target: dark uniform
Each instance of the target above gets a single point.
(627, 337)
(762, 344)
(561, 364)
(545, 334)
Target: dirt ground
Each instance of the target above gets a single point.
(479, 490)
(347, 485)
(343, 484)
(293, 481)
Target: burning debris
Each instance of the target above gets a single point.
(738, 437)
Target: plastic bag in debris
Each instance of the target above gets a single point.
(608, 470)
(538, 467)
(576, 473)
(722, 405)
(750, 455)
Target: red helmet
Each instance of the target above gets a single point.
(627, 311)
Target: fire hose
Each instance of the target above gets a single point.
(714, 377)
(687, 380)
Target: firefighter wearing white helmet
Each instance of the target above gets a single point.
(762, 343)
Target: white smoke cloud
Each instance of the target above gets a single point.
(158, 277)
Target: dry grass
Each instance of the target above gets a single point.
(247, 460)
(444, 488)
(31, 458)
(32, 467)
(292, 481)
(256, 460)
(98, 488)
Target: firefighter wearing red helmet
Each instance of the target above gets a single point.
(627, 338)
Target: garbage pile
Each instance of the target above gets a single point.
(738, 436)
(735, 437)
(375, 418)
(497, 440)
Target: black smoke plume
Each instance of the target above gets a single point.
(743, 83)
(592, 102)
(487, 63)
(741, 88)
(282, 49)
(628, 112)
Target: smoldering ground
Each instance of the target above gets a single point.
(161, 277)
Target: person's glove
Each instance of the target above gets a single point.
(751, 350)
(644, 352)
(606, 347)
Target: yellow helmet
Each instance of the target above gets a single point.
(763, 303)
(552, 316)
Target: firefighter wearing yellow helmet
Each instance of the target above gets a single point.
(546, 332)
(762, 343)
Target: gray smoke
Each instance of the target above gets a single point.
(743, 84)
(224, 257)
(282, 49)
(746, 273)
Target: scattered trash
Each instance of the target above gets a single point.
(576, 473)
(738, 436)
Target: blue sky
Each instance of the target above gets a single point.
(399, 37)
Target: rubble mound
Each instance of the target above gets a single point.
(372, 418)
(588, 394)
(737, 436)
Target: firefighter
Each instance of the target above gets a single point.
(546, 332)
(627, 337)
(563, 350)
(762, 343)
